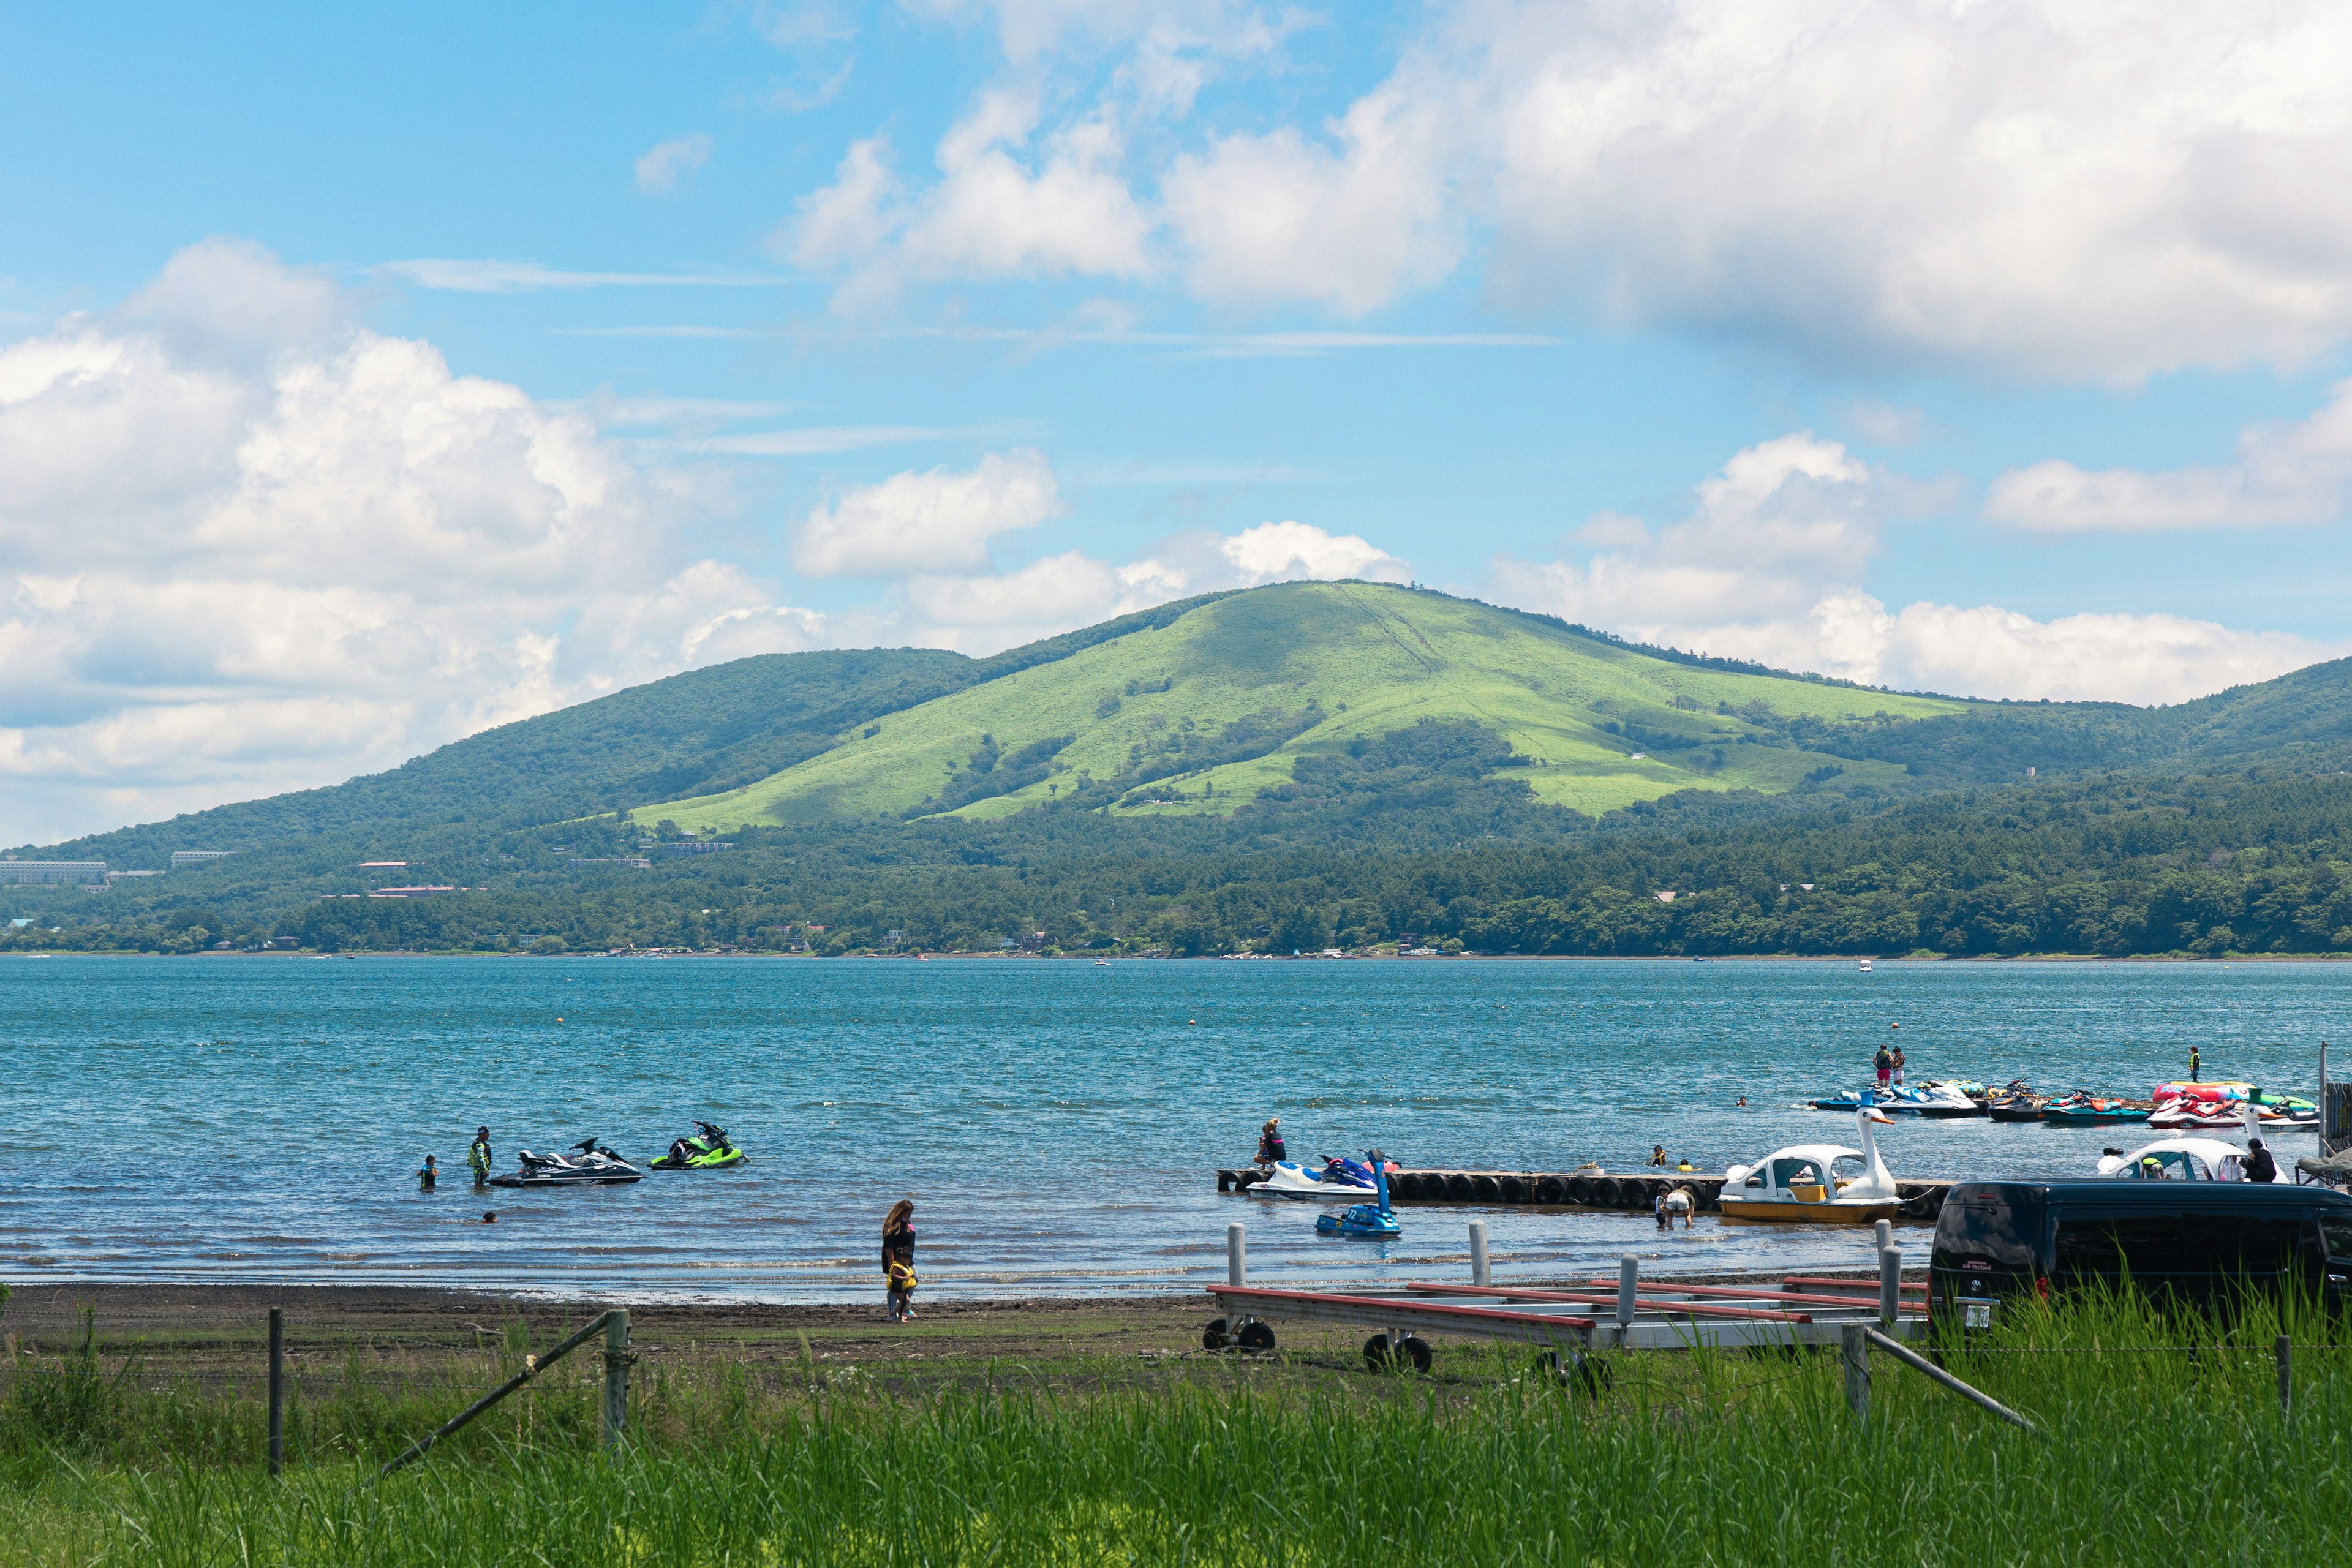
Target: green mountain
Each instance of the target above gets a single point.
(1281, 769)
(1203, 712)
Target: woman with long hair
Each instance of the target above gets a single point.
(898, 1258)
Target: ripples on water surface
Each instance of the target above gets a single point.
(1058, 1123)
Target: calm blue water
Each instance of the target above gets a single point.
(1058, 1123)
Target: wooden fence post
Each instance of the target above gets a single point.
(616, 1376)
(1855, 1348)
(276, 1389)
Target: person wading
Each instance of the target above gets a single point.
(898, 1258)
(477, 1156)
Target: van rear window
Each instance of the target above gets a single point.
(2337, 1228)
(2004, 1235)
(2145, 1244)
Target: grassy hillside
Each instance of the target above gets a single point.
(1199, 714)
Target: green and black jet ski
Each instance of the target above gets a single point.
(707, 1151)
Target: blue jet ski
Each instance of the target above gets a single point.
(1851, 1100)
(1364, 1219)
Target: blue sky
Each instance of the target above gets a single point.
(368, 378)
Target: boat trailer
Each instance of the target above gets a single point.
(1569, 1323)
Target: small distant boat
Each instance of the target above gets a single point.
(2081, 1110)
(1815, 1183)
(1866, 966)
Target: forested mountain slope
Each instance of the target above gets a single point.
(1203, 713)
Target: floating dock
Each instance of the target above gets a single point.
(1627, 1191)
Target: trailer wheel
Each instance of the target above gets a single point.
(1416, 1350)
(1256, 1336)
(1214, 1337)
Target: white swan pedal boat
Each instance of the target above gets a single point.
(1815, 1183)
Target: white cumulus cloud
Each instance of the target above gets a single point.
(2034, 186)
(1768, 566)
(2284, 474)
(663, 166)
(931, 522)
(244, 549)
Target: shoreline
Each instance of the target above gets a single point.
(1089, 958)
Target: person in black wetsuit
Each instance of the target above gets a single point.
(2259, 1167)
(1271, 1150)
(898, 1246)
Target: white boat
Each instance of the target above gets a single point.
(1289, 1179)
(1815, 1183)
(2179, 1160)
(1866, 966)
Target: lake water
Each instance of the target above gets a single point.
(1058, 1123)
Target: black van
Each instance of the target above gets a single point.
(2194, 1242)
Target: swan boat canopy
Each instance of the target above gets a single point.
(2178, 1160)
(1815, 1183)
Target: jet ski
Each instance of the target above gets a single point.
(588, 1164)
(707, 1151)
(1935, 1100)
(1373, 1219)
(1336, 1178)
(2081, 1109)
(2017, 1102)
(1852, 1099)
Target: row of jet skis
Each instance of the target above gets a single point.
(2221, 1104)
(590, 1163)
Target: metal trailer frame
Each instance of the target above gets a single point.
(1659, 1315)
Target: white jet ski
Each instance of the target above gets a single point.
(588, 1164)
(1292, 1180)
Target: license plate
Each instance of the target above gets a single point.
(1977, 1314)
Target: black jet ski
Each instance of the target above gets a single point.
(588, 1164)
(707, 1151)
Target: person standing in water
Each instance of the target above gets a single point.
(898, 1258)
(477, 1156)
(2195, 1065)
(428, 1174)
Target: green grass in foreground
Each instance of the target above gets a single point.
(2163, 1442)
